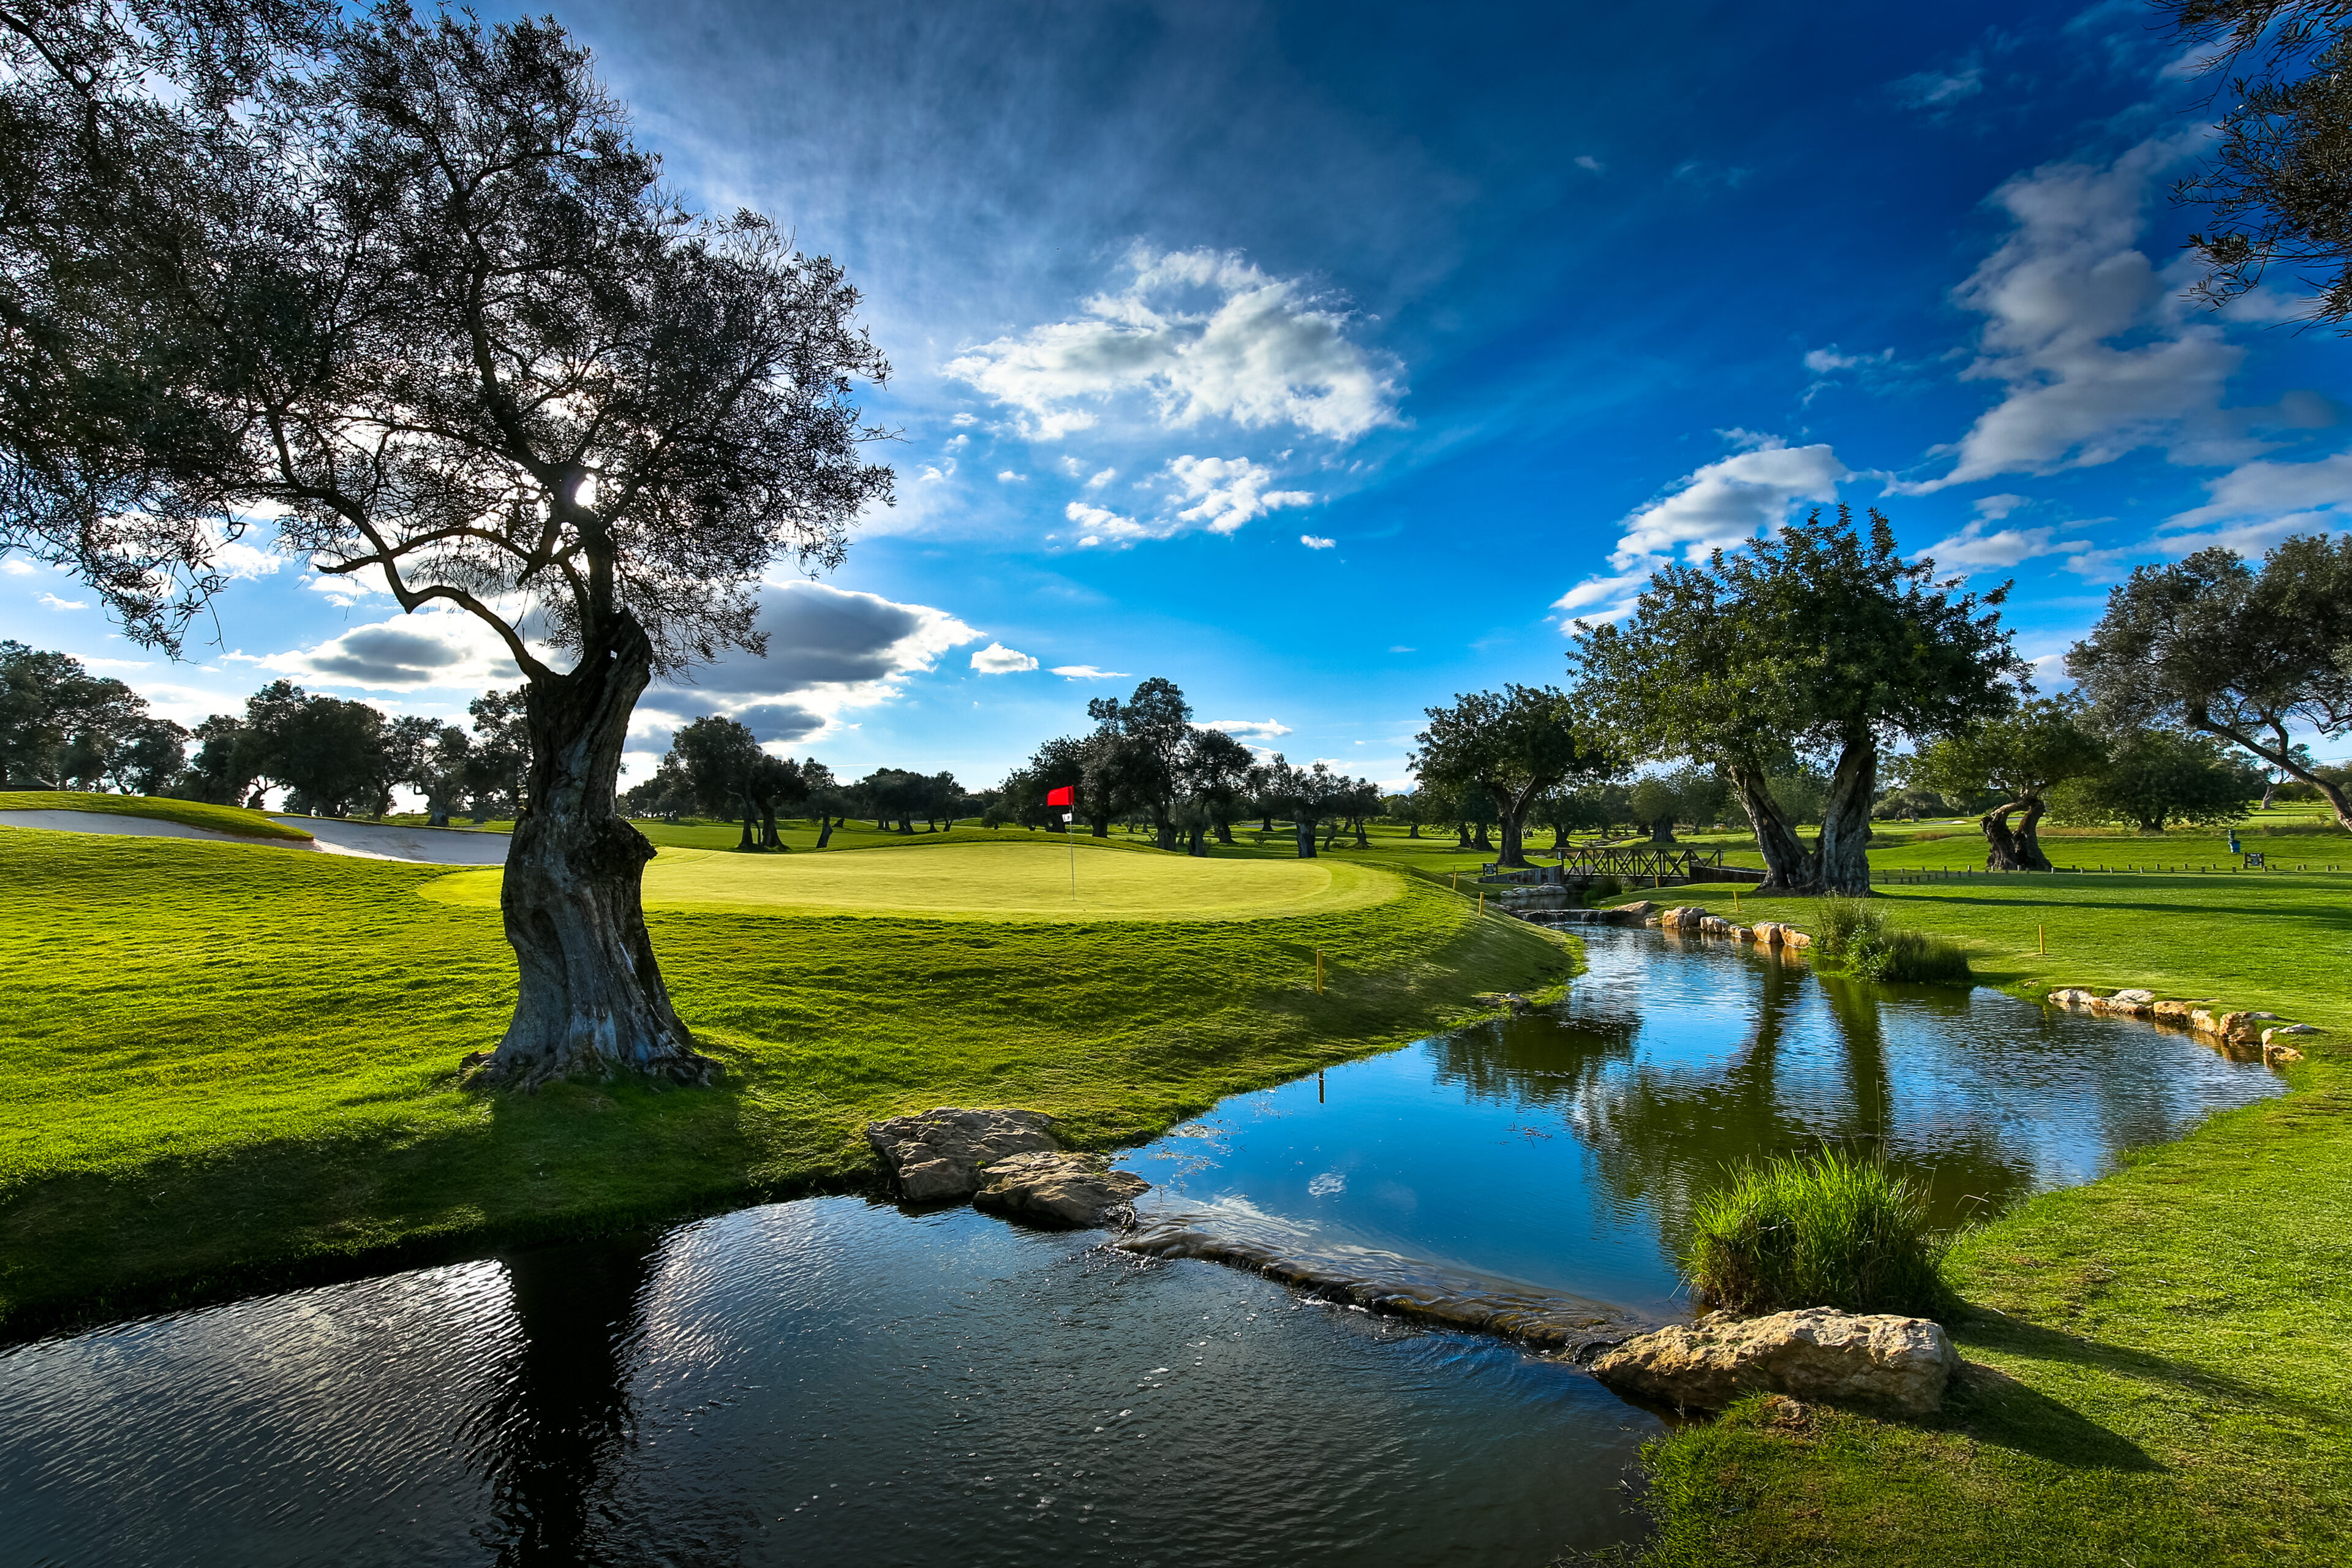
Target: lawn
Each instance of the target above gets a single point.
(234, 1069)
(1016, 880)
(2161, 1361)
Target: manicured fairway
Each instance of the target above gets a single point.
(229, 1067)
(1013, 880)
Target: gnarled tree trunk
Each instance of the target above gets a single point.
(1305, 826)
(1841, 864)
(591, 999)
(1787, 864)
(2019, 849)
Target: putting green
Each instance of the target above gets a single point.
(990, 882)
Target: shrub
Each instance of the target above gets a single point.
(1855, 939)
(1831, 1231)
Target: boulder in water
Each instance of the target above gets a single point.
(1897, 1363)
(1060, 1190)
(935, 1157)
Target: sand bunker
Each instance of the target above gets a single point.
(366, 840)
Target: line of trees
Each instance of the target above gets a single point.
(62, 728)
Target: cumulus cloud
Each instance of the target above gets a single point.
(16, 567)
(1312, 542)
(998, 660)
(2092, 346)
(1227, 492)
(53, 602)
(404, 653)
(1248, 729)
(1007, 476)
(1199, 334)
(1725, 502)
(1089, 672)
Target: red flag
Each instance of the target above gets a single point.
(1066, 795)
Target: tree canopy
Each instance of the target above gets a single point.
(2277, 180)
(2213, 646)
(1514, 745)
(2019, 756)
(1823, 641)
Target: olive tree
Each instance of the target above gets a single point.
(450, 330)
(2213, 646)
(1512, 745)
(1824, 640)
(2019, 757)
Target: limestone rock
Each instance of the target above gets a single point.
(1795, 939)
(2275, 1055)
(2289, 1029)
(1060, 1190)
(1634, 913)
(2119, 1005)
(2176, 1012)
(1716, 925)
(2145, 998)
(1900, 1364)
(935, 1157)
(1768, 933)
(2072, 997)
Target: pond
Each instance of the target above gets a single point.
(838, 1379)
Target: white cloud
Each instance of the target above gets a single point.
(1586, 161)
(1828, 361)
(1007, 476)
(53, 602)
(1088, 672)
(1202, 335)
(1248, 729)
(1933, 89)
(998, 660)
(1992, 508)
(1227, 492)
(1722, 503)
(1312, 542)
(16, 567)
(1102, 479)
(2093, 348)
(2256, 504)
(1973, 547)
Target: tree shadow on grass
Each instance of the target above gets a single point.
(1994, 1408)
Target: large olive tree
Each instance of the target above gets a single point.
(2213, 646)
(2020, 756)
(449, 328)
(1512, 746)
(1823, 640)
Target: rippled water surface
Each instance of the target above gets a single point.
(835, 1380)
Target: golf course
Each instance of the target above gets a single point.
(241, 1066)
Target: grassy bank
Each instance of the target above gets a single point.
(189, 813)
(232, 1068)
(2161, 1362)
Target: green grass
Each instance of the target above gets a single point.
(194, 814)
(1825, 1231)
(230, 1068)
(990, 882)
(2161, 1362)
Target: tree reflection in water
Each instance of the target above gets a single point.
(553, 1441)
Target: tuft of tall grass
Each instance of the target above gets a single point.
(1830, 1231)
(1856, 938)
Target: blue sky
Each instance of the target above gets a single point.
(1331, 360)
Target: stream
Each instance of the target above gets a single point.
(838, 1379)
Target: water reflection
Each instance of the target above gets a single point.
(1567, 1150)
(834, 1381)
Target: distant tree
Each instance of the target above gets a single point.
(2157, 778)
(1136, 756)
(827, 797)
(1686, 795)
(1308, 797)
(718, 756)
(2019, 757)
(1588, 807)
(498, 760)
(1909, 803)
(667, 793)
(2275, 179)
(1513, 744)
(894, 794)
(429, 757)
(62, 727)
(329, 753)
(2212, 645)
(1825, 640)
(221, 771)
(1213, 776)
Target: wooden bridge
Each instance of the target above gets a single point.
(1655, 865)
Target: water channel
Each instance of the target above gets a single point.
(837, 1380)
